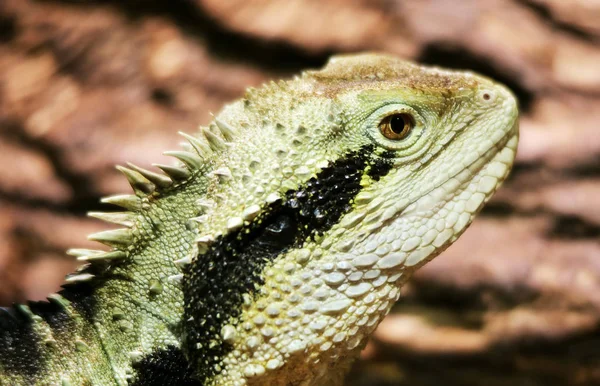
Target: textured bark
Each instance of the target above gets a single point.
(86, 85)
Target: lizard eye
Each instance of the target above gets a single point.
(396, 126)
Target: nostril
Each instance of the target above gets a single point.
(487, 95)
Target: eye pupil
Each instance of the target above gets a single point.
(396, 126)
(397, 123)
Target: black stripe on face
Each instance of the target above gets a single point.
(164, 367)
(381, 165)
(215, 283)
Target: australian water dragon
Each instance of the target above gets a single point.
(280, 239)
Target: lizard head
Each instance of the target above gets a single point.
(338, 185)
(445, 140)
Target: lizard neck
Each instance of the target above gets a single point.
(118, 320)
(141, 301)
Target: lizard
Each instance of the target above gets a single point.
(281, 236)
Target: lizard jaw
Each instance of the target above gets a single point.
(464, 196)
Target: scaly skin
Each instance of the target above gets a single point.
(279, 243)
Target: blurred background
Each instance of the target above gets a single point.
(86, 84)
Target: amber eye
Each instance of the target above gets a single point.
(396, 126)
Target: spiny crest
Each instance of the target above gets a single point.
(159, 180)
(176, 173)
(125, 201)
(120, 218)
(203, 149)
(215, 142)
(113, 238)
(91, 255)
(189, 159)
(140, 184)
(147, 183)
(228, 131)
